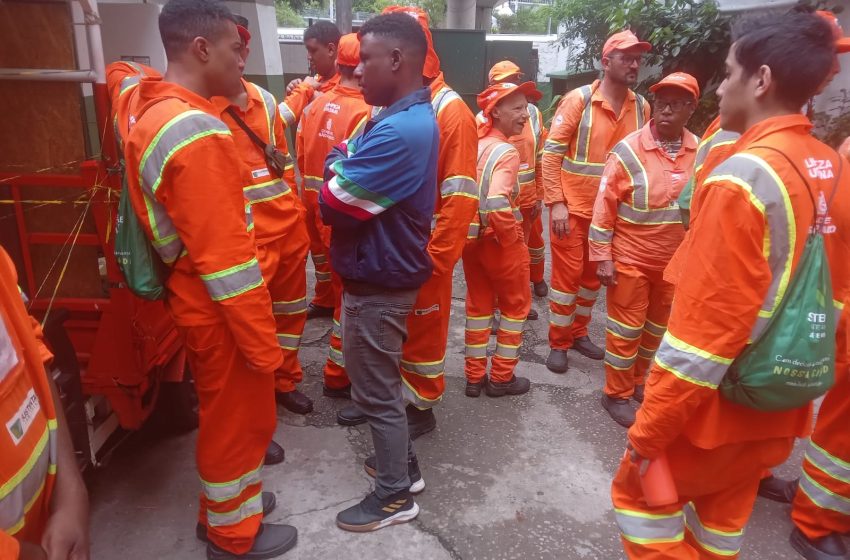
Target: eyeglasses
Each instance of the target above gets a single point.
(675, 105)
(629, 59)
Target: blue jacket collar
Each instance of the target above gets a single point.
(422, 95)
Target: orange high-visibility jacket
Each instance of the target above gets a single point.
(583, 131)
(334, 116)
(29, 440)
(498, 172)
(745, 245)
(302, 95)
(274, 203)
(717, 145)
(636, 219)
(185, 182)
(457, 199)
(529, 144)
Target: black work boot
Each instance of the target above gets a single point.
(639, 393)
(374, 513)
(351, 415)
(830, 547)
(294, 401)
(620, 410)
(419, 422)
(541, 289)
(275, 454)
(778, 490)
(314, 311)
(516, 386)
(271, 541)
(557, 361)
(474, 389)
(344, 393)
(269, 503)
(584, 346)
(417, 483)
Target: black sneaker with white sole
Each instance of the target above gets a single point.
(374, 513)
(417, 483)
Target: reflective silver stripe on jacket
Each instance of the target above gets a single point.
(769, 195)
(639, 211)
(266, 191)
(496, 153)
(718, 138)
(690, 363)
(600, 235)
(311, 183)
(459, 185)
(16, 499)
(270, 104)
(443, 98)
(181, 131)
(233, 281)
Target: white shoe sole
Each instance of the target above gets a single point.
(400, 517)
(415, 488)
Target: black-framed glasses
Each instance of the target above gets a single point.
(675, 105)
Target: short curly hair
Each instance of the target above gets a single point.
(400, 27)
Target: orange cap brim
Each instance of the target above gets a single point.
(842, 45)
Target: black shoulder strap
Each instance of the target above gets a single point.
(244, 126)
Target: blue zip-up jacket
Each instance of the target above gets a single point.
(379, 196)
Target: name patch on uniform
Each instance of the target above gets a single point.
(258, 173)
(23, 418)
(523, 166)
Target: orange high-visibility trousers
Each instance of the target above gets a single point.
(282, 263)
(532, 231)
(423, 356)
(822, 504)
(324, 295)
(334, 372)
(717, 489)
(237, 419)
(638, 310)
(495, 272)
(575, 285)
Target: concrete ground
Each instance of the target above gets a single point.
(518, 477)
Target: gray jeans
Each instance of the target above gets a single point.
(373, 330)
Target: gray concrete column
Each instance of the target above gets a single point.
(264, 65)
(343, 15)
(484, 18)
(460, 14)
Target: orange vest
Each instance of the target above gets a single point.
(636, 219)
(583, 131)
(28, 443)
(275, 207)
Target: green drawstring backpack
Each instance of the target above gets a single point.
(143, 269)
(793, 361)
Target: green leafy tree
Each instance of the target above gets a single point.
(436, 9)
(286, 14)
(530, 20)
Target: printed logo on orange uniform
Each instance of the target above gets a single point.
(21, 421)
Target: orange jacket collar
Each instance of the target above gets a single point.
(347, 91)
(155, 88)
(222, 103)
(773, 125)
(599, 98)
(438, 84)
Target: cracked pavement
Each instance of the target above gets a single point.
(518, 477)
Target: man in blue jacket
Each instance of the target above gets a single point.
(379, 197)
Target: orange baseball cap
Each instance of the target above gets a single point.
(432, 61)
(503, 70)
(348, 50)
(678, 80)
(622, 41)
(842, 43)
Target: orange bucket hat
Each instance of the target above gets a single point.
(432, 61)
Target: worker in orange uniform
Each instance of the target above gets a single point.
(635, 230)
(334, 116)
(279, 228)
(495, 259)
(589, 121)
(752, 223)
(321, 40)
(45, 511)
(185, 168)
(424, 353)
(529, 144)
